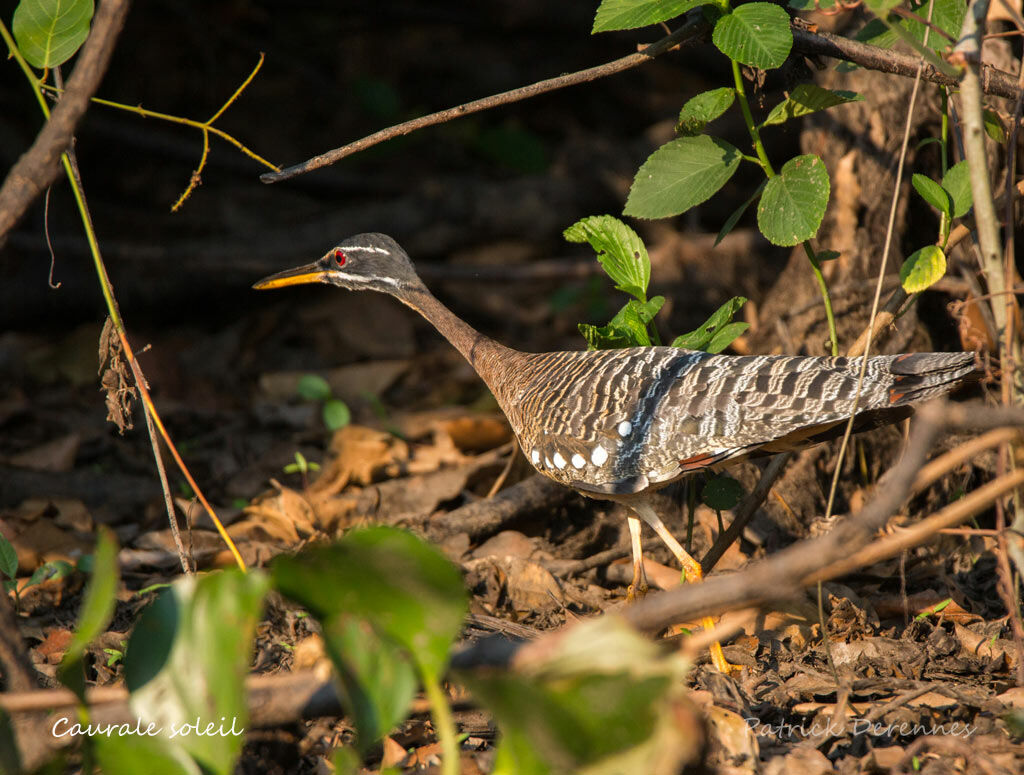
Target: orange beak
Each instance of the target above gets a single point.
(302, 275)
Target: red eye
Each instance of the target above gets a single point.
(339, 258)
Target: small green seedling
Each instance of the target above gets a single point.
(935, 609)
(334, 411)
(114, 655)
(302, 466)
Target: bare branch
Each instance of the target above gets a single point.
(885, 60)
(688, 31)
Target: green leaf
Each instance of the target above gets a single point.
(630, 14)
(702, 109)
(701, 337)
(923, 268)
(734, 218)
(619, 250)
(377, 678)
(93, 618)
(634, 317)
(49, 32)
(808, 98)
(725, 336)
(132, 753)
(957, 183)
(8, 558)
(627, 329)
(601, 703)
(755, 34)
(55, 569)
(313, 387)
(993, 126)
(336, 414)
(947, 15)
(605, 337)
(403, 587)
(932, 193)
(187, 660)
(722, 493)
(827, 255)
(681, 174)
(879, 7)
(794, 201)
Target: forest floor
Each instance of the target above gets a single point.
(915, 669)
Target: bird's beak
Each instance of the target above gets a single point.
(300, 275)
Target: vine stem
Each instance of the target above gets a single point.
(106, 287)
(444, 723)
(826, 298)
(766, 165)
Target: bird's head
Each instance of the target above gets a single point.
(363, 262)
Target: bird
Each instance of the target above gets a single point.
(621, 424)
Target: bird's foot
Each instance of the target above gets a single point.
(718, 656)
(637, 591)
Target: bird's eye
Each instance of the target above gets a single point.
(339, 258)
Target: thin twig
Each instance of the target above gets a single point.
(890, 229)
(688, 31)
(940, 466)
(957, 512)
(745, 511)
(76, 174)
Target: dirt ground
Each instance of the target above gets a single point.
(916, 670)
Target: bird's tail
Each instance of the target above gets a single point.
(919, 376)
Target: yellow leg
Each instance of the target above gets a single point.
(638, 587)
(692, 572)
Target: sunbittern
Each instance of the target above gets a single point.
(620, 424)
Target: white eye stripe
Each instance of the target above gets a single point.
(354, 278)
(365, 248)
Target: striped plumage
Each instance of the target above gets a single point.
(684, 410)
(618, 424)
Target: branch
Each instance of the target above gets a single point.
(688, 31)
(781, 575)
(38, 167)
(885, 60)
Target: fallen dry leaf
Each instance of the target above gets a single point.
(52, 649)
(526, 585)
(359, 455)
(733, 738)
(507, 543)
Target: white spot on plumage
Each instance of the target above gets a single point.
(559, 460)
(578, 460)
(625, 428)
(535, 457)
(547, 461)
(599, 455)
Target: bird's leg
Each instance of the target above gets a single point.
(690, 566)
(638, 587)
(692, 572)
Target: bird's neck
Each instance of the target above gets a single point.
(492, 361)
